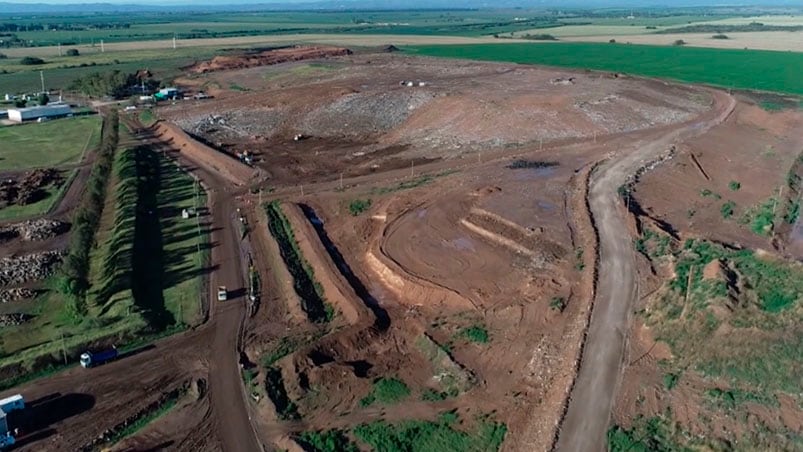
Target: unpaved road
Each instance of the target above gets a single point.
(586, 423)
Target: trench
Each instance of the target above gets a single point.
(382, 319)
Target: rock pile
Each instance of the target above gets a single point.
(30, 267)
(8, 295)
(33, 230)
(29, 188)
(13, 319)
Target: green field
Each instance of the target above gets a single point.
(145, 273)
(49, 144)
(738, 69)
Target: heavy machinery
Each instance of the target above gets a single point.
(91, 359)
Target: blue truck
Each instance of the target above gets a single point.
(91, 359)
(7, 405)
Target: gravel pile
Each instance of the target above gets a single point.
(30, 267)
(364, 113)
(33, 230)
(13, 319)
(8, 295)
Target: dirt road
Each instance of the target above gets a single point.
(588, 416)
(233, 423)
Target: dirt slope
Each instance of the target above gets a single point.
(587, 419)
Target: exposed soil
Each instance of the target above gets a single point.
(452, 237)
(267, 57)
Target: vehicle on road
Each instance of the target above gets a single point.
(90, 359)
(222, 293)
(7, 405)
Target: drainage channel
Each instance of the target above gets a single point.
(382, 319)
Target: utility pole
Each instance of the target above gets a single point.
(63, 349)
(412, 168)
(102, 49)
(59, 49)
(302, 189)
(260, 196)
(42, 77)
(174, 41)
(540, 144)
(341, 181)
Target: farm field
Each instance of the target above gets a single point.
(738, 69)
(51, 144)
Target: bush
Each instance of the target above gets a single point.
(540, 37)
(43, 99)
(727, 209)
(612, 41)
(557, 304)
(359, 206)
(73, 52)
(326, 441)
(3, 56)
(31, 61)
(734, 185)
(387, 391)
(720, 36)
(476, 333)
(679, 42)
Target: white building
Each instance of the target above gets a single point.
(45, 111)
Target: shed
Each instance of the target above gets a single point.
(44, 111)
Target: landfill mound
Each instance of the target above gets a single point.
(268, 57)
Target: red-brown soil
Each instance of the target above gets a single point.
(268, 57)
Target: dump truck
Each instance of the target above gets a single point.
(91, 359)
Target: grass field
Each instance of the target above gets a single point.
(739, 69)
(49, 144)
(145, 272)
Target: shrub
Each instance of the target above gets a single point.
(727, 209)
(679, 42)
(31, 61)
(73, 52)
(386, 391)
(326, 441)
(734, 185)
(3, 56)
(720, 36)
(540, 37)
(43, 99)
(359, 206)
(557, 304)
(612, 41)
(476, 333)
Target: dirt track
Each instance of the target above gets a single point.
(587, 419)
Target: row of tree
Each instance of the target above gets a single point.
(74, 280)
(114, 84)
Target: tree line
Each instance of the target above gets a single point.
(74, 278)
(114, 84)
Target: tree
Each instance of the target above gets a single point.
(31, 61)
(679, 42)
(20, 103)
(73, 52)
(43, 99)
(3, 56)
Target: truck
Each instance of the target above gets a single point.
(7, 405)
(91, 359)
(222, 293)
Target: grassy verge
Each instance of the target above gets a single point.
(286, 409)
(49, 144)
(308, 289)
(442, 434)
(741, 69)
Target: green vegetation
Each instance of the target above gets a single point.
(308, 289)
(236, 87)
(326, 441)
(358, 206)
(72, 53)
(410, 184)
(114, 84)
(287, 345)
(729, 399)
(49, 144)
(146, 117)
(706, 193)
(475, 333)
(720, 36)
(765, 343)
(740, 69)
(671, 380)
(734, 185)
(425, 436)
(31, 61)
(431, 395)
(653, 244)
(761, 218)
(538, 37)
(286, 409)
(650, 435)
(557, 304)
(727, 209)
(51, 196)
(386, 391)
(452, 378)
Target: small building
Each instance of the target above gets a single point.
(44, 111)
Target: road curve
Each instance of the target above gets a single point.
(586, 423)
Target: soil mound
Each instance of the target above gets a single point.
(268, 57)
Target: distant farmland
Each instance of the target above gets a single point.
(739, 69)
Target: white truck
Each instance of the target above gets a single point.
(222, 293)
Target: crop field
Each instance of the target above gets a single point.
(738, 69)
(50, 144)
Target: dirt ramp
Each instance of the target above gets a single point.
(268, 57)
(231, 169)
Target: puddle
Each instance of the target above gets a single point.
(462, 244)
(546, 205)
